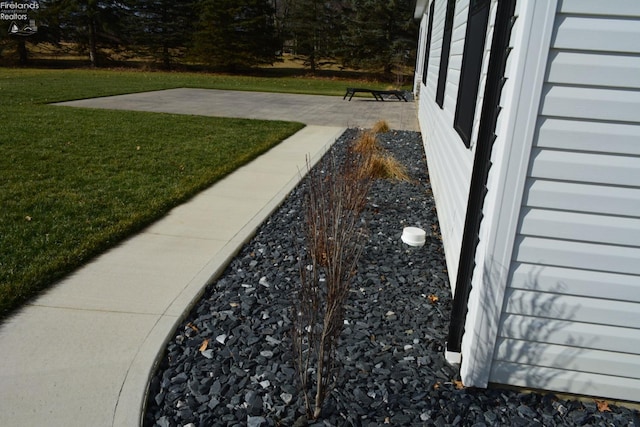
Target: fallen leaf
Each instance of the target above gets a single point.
(436, 386)
(204, 345)
(603, 406)
(433, 298)
(458, 384)
(192, 326)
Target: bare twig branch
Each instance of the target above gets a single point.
(334, 200)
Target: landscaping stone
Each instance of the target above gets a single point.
(392, 347)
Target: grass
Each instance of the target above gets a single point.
(29, 86)
(74, 182)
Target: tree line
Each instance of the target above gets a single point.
(229, 35)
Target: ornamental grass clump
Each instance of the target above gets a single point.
(334, 237)
(376, 162)
(367, 142)
(380, 126)
(384, 166)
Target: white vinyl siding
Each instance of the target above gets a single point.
(420, 56)
(515, 129)
(450, 163)
(599, 7)
(571, 314)
(595, 69)
(568, 333)
(588, 103)
(619, 201)
(558, 379)
(581, 227)
(557, 356)
(564, 134)
(578, 255)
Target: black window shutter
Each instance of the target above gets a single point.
(471, 68)
(427, 50)
(446, 48)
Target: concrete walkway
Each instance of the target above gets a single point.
(308, 109)
(81, 354)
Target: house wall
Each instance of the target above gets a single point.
(514, 131)
(571, 314)
(449, 161)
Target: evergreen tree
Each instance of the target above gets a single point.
(50, 20)
(162, 28)
(12, 47)
(91, 24)
(381, 34)
(236, 34)
(316, 27)
(281, 11)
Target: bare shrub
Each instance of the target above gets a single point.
(334, 238)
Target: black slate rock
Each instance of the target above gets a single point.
(392, 348)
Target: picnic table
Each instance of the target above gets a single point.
(377, 94)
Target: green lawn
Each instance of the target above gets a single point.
(28, 86)
(74, 182)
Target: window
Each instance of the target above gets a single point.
(444, 56)
(471, 68)
(427, 48)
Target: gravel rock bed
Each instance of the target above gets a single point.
(230, 362)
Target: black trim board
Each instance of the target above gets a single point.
(481, 166)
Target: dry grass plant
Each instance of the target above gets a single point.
(367, 142)
(380, 126)
(384, 166)
(334, 238)
(376, 163)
